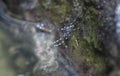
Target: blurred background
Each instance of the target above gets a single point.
(80, 37)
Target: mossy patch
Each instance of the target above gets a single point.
(86, 48)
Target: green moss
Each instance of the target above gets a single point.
(86, 48)
(85, 51)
